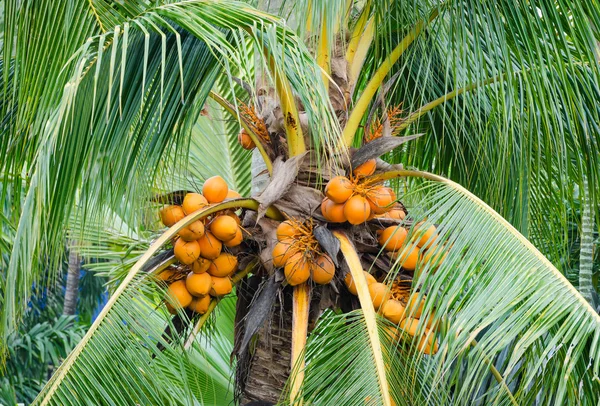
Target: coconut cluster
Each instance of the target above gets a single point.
(200, 247)
(398, 306)
(420, 248)
(298, 252)
(356, 200)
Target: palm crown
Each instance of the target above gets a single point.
(498, 96)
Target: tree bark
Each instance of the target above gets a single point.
(72, 289)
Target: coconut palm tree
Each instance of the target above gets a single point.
(350, 105)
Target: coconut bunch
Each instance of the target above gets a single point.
(298, 252)
(356, 200)
(201, 248)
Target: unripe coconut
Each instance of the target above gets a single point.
(186, 252)
(408, 259)
(357, 210)
(282, 251)
(193, 232)
(297, 269)
(286, 229)
(215, 189)
(220, 286)
(380, 294)
(245, 140)
(365, 169)
(393, 310)
(322, 270)
(235, 241)
(210, 246)
(428, 344)
(409, 325)
(425, 236)
(352, 286)
(339, 189)
(198, 284)
(332, 211)
(193, 202)
(171, 215)
(224, 228)
(200, 304)
(392, 238)
(201, 265)
(232, 194)
(381, 199)
(223, 265)
(178, 295)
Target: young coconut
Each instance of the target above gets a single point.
(235, 241)
(392, 238)
(349, 281)
(224, 228)
(171, 215)
(245, 140)
(381, 199)
(210, 246)
(380, 294)
(339, 189)
(394, 311)
(178, 295)
(282, 251)
(186, 252)
(200, 304)
(428, 344)
(427, 237)
(192, 232)
(287, 229)
(322, 270)
(220, 286)
(297, 269)
(193, 202)
(166, 274)
(357, 210)
(365, 169)
(198, 284)
(332, 211)
(201, 265)
(408, 258)
(223, 265)
(232, 194)
(215, 189)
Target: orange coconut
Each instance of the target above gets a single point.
(392, 238)
(215, 189)
(235, 241)
(357, 210)
(166, 274)
(414, 308)
(381, 199)
(409, 325)
(432, 257)
(210, 246)
(428, 344)
(408, 259)
(198, 284)
(186, 252)
(365, 169)
(332, 211)
(193, 232)
(396, 213)
(223, 265)
(200, 304)
(193, 202)
(352, 286)
(220, 286)
(224, 228)
(245, 140)
(178, 295)
(393, 310)
(322, 270)
(380, 294)
(232, 194)
(427, 236)
(234, 216)
(282, 251)
(339, 189)
(297, 269)
(171, 215)
(286, 229)
(201, 265)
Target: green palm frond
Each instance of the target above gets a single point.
(132, 92)
(520, 143)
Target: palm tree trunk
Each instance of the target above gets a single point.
(269, 364)
(586, 256)
(72, 290)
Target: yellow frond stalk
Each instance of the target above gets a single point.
(301, 307)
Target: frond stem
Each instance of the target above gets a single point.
(300, 311)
